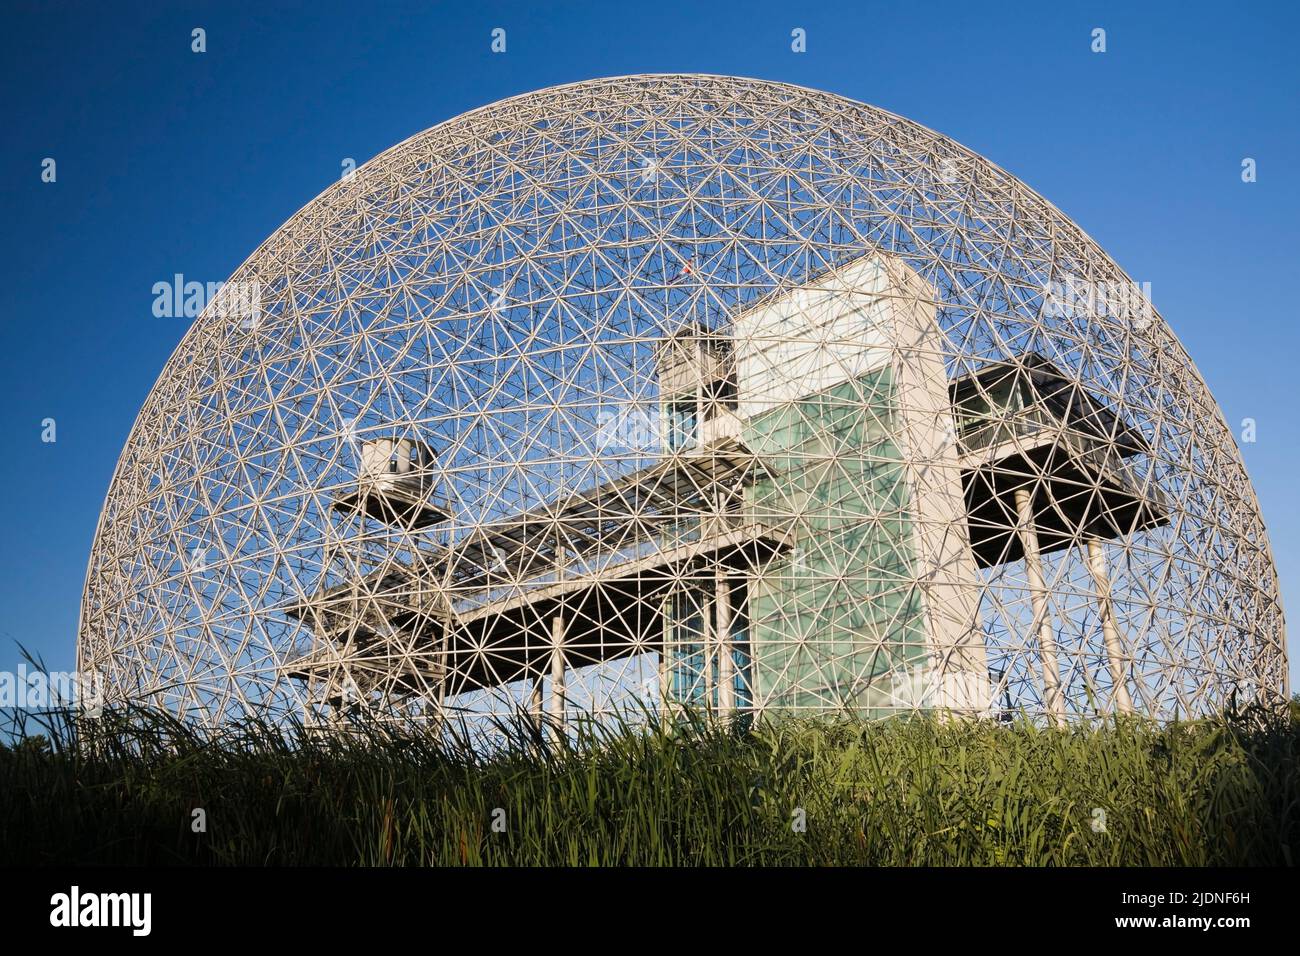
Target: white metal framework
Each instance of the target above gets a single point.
(686, 390)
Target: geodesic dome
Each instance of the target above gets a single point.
(688, 391)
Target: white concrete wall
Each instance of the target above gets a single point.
(812, 338)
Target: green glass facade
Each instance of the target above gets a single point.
(838, 611)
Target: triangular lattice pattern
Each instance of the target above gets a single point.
(681, 389)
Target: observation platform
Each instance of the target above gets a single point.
(1026, 430)
(481, 611)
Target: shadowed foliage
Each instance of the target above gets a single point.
(123, 788)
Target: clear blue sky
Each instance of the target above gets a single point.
(173, 162)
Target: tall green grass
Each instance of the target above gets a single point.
(904, 792)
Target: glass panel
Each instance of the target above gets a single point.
(840, 611)
(682, 424)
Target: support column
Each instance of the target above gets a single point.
(665, 652)
(1115, 655)
(557, 673)
(708, 642)
(1042, 625)
(535, 700)
(726, 655)
(699, 405)
(441, 697)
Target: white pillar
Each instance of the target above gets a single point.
(726, 657)
(1042, 625)
(665, 649)
(535, 699)
(708, 643)
(557, 673)
(699, 397)
(440, 699)
(1115, 655)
